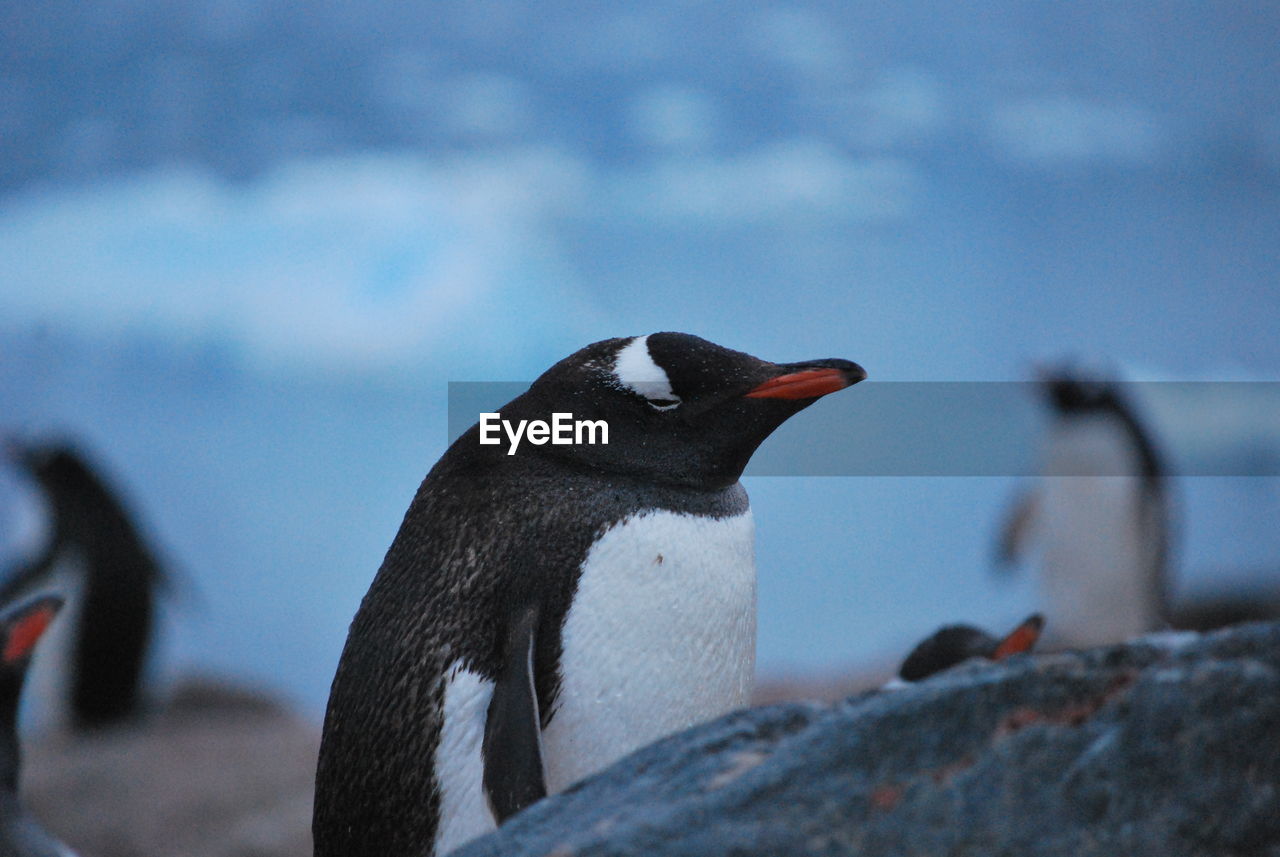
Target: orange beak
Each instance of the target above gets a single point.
(1021, 639)
(807, 384)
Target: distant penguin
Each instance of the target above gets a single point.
(1099, 515)
(543, 613)
(20, 629)
(956, 644)
(111, 577)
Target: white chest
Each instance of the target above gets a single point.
(660, 636)
(1091, 446)
(1099, 540)
(46, 698)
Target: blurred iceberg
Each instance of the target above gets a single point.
(351, 265)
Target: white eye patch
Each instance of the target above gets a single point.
(634, 369)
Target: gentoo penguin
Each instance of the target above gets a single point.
(540, 614)
(1099, 514)
(956, 644)
(20, 628)
(110, 574)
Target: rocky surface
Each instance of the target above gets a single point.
(219, 773)
(1167, 746)
(820, 687)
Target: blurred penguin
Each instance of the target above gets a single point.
(21, 627)
(1099, 516)
(93, 553)
(955, 644)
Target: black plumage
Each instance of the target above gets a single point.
(490, 537)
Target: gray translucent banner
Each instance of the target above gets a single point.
(899, 428)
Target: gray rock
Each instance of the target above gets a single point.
(1166, 746)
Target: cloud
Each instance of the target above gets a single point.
(390, 263)
(904, 105)
(798, 178)
(486, 105)
(674, 117)
(361, 264)
(1064, 129)
(900, 108)
(800, 39)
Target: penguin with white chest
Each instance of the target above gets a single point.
(99, 556)
(1100, 516)
(541, 614)
(21, 627)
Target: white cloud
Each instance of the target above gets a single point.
(485, 105)
(1064, 129)
(674, 117)
(800, 39)
(388, 263)
(404, 80)
(798, 178)
(357, 264)
(904, 105)
(627, 40)
(899, 108)
(416, 88)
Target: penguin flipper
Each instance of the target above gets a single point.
(513, 773)
(1015, 532)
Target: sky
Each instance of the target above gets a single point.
(248, 245)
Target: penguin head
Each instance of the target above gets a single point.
(680, 410)
(947, 647)
(1073, 393)
(54, 465)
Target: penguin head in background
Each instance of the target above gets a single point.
(956, 644)
(680, 409)
(1074, 392)
(1078, 396)
(54, 465)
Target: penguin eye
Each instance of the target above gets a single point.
(663, 404)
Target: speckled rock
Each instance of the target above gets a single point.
(1166, 746)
